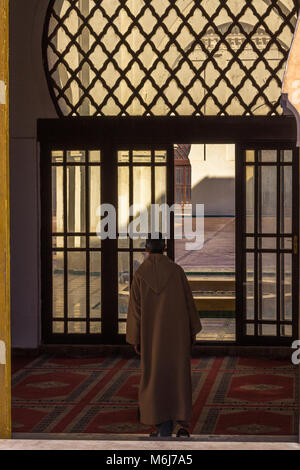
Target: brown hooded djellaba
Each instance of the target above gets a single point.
(162, 319)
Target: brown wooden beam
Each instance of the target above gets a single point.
(67, 132)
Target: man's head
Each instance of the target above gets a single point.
(155, 243)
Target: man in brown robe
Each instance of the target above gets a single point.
(162, 324)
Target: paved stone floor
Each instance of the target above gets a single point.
(38, 444)
(218, 253)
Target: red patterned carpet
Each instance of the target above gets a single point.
(99, 395)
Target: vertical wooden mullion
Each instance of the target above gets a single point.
(152, 177)
(240, 252)
(295, 255)
(130, 217)
(257, 183)
(295, 269)
(101, 252)
(279, 215)
(87, 229)
(71, 172)
(47, 239)
(152, 189)
(282, 242)
(109, 277)
(170, 198)
(65, 210)
(103, 264)
(259, 245)
(118, 166)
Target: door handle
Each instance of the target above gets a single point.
(295, 249)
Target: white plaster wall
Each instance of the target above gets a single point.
(29, 100)
(213, 179)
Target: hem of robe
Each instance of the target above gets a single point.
(177, 418)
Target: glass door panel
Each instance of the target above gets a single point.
(206, 174)
(269, 231)
(76, 249)
(142, 181)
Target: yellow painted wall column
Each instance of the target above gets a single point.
(5, 362)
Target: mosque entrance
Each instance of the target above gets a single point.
(245, 274)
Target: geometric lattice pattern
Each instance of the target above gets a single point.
(166, 57)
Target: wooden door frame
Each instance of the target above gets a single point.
(114, 132)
